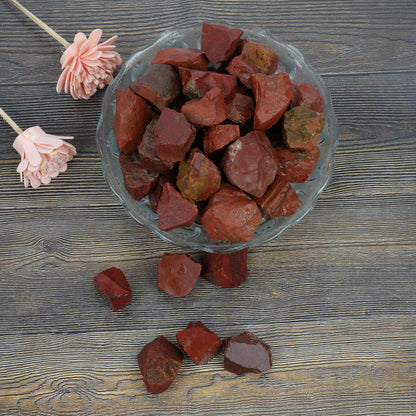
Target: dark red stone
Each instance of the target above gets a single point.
(272, 94)
(307, 96)
(231, 215)
(184, 57)
(159, 363)
(261, 55)
(154, 196)
(132, 116)
(219, 42)
(173, 135)
(114, 288)
(198, 177)
(226, 270)
(174, 210)
(242, 68)
(201, 344)
(219, 136)
(207, 111)
(177, 274)
(245, 353)
(240, 108)
(250, 163)
(137, 180)
(159, 84)
(280, 199)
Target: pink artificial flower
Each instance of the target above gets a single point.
(44, 156)
(88, 65)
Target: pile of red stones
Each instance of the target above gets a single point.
(217, 135)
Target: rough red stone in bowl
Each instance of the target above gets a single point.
(296, 165)
(306, 95)
(114, 288)
(219, 42)
(159, 84)
(174, 210)
(226, 270)
(159, 363)
(207, 111)
(250, 163)
(132, 116)
(242, 68)
(245, 353)
(231, 215)
(302, 128)
(201, 344)
(261, 55)
(185, 57)
(195, 84)
(280, 199)
(173, 135)
(177, 274)
(219, 136)
(154, 196)
(137, 180)
(198, 177)
(240, 108)
(272, 94)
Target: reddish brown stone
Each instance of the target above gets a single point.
(242, 68)
(245, 353)
(159, 363)
(264, 58)
(184, 57)
(231, 215)
(219, 42)
(201, 344)
(296, 165)
(198, 177)
(272, 94)
(307, 96)
(137, 180)
(177, 274)
(240, 108)
(132, 116)
(226, 270)
(154, 196)
(208, 111)
(280, 199)
(195, 84)
(173, 135)
(302, 128)
(250, 163)
(159, 84)
(217, 137)
(175, 211)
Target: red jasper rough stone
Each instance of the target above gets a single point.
(173, 135)
(159, 363)
(208, 111)
(114, 288)
(184, 57)
(226, 270)
(296, 165)
(245, 353)
(137, 180)
(306, 95)
(154, 196)
(195, 84)
(280, 199)
(231, 215)
(240, 108)
(219, 42)
(198, 177)
(132, 116)
(177, 274)
(159, 84)
(264, 58)
(272, 94)
(242, 68)
(250, 163)
(302, 128)
(174, 210)
(219, 136)
(201, 344)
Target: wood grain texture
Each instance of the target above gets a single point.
(335, 296)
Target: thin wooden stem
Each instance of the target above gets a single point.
(10, 122)
(41, 24)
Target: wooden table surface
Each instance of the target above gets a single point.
(335, 296)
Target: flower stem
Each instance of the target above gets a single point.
(10, 122)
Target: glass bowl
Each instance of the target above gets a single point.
(195, 237)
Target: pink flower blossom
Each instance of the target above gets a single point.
(44, 156)
(88, 65)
